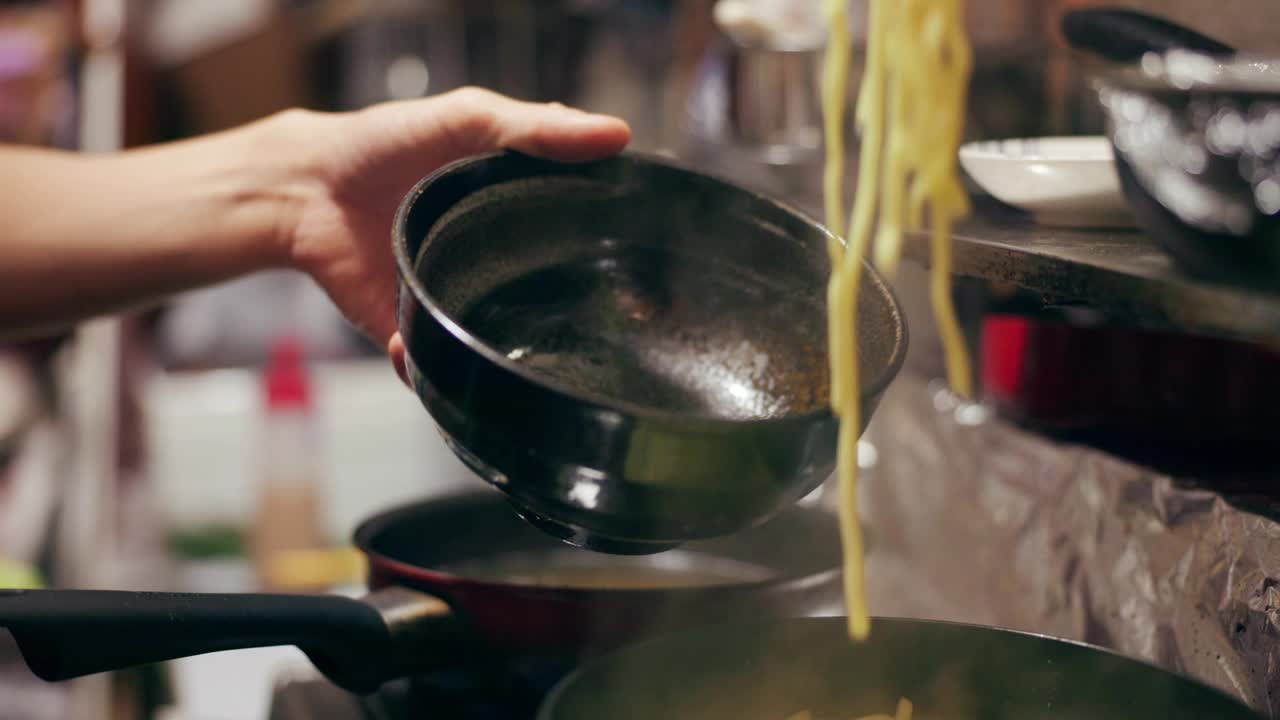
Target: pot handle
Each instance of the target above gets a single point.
(1124, 36)
(65, 634)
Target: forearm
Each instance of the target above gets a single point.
(85, 235)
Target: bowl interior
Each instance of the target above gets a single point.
(651, 290)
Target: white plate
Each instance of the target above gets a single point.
(1064, 181)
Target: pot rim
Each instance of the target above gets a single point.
(367, 532)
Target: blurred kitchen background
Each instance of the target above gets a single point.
(141, 452)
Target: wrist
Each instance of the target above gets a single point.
(281, 161)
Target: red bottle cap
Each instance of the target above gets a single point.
(287, 384)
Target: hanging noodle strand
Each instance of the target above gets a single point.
(910, 117)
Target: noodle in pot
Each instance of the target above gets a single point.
(903, 713)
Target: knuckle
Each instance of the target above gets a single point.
(472, 97)
(473, 112)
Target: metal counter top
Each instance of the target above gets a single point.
(1120, 273)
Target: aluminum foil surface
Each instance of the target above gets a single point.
(970, 519)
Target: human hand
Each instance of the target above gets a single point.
(360, 165)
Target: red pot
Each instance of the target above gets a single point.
(447, 588)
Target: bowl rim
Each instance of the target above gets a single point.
(1142, 76)
(982, 150)
(409, 280)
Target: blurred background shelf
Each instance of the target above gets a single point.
(1119, 273)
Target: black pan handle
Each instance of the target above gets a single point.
(65, 634)
(1125, 36)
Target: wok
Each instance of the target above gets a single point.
(1196, 132)
(633, 352)
(455, 582)
(770, 671)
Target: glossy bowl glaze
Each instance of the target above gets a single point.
(633, 351)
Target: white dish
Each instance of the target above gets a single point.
(1063, 181)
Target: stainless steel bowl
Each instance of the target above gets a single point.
(1196, 131)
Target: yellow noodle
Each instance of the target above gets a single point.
(910, 115)
(835, 78)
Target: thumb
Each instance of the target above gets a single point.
(396, 351)
(471, 120)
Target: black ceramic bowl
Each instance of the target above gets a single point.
(634, 352)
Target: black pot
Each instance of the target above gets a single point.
(772, 670)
